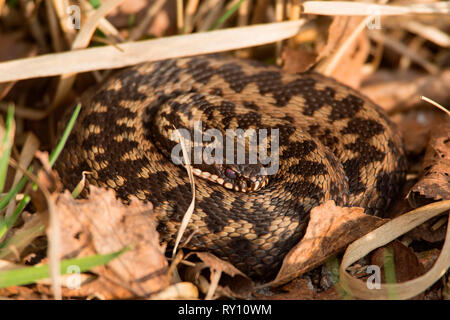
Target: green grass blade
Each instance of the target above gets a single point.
(29, 275)
(6, 145)
(95, 3)
(226, 15)
(54, 155)
(389, 270)
(6, 224)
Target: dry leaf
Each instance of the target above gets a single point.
(435, 180)
(406, 263)
(101, 225)
(329, 230)
(20, 293)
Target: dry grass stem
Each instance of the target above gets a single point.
(148, 50)
(188, 214)
(437, 105)
(347, 8)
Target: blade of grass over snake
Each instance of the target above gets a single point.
(54, 155)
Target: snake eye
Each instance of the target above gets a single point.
(230, 173)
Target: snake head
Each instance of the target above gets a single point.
(238, 177)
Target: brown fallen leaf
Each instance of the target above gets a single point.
(330, 229)
(233, 283)
(435, 180)
(101, 225)
(406, 264)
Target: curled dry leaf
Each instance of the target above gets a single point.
(101, 225)
(435, 180)
(329, 230)
(233, 283)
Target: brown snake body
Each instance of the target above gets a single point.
(333, 142)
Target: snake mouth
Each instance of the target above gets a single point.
(242, 185)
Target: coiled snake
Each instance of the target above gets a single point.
(333, 144)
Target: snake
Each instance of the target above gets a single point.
(328, 141)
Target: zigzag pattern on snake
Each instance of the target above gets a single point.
(334, 144)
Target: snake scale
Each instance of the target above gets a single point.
(334, 143)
